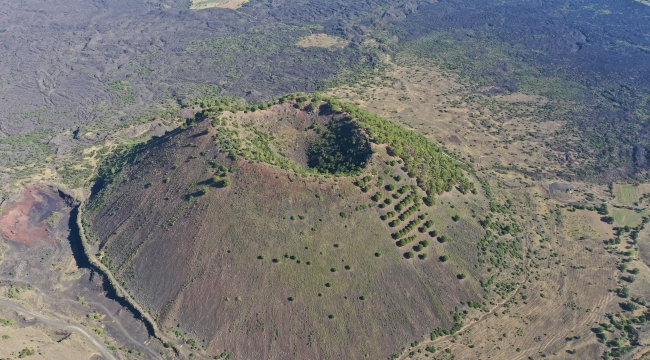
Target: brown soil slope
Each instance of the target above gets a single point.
(269, 266)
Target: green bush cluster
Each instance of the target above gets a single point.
(408, 228)
(410, 211)
(388, 215)
(427, 224)
(435, 171)
(412, 197)
(406, 240)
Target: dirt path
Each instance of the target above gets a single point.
(96, 304)
(102, 349)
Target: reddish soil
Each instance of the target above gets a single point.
(24, 220)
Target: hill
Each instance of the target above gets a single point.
(303, 226)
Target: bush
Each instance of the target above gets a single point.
(225, 182)
(412, 210)
(261, 257)
(444, 258)
(461, 276)
(408, 228)
(455, 217)
(166, 180)
(390, 187)
(348, 267)
(406, 241)
(422, 256)
(377, 254)
(394, 222)
(343, 215)
(409, 255)
(388, 215)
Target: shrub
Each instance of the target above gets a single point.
(409, 255)
(225, 182)
(388, 215)
(422, 256)
(276, 260)
(408, 228)
(424, 243)
(166, 180)
(377, 254)
(444, 258)
(333, 270)
(378, 196)
(397, 178)
(291, 298)
(405, 241)
(412, 210)
(390, 187)
(388, 201)
(348, 267)
(433, 233)
(362, 297)
(443, 239)
(455, 217)
(412, 197)
(418, 248)
(394, 223)
(461, 276)
(343, 215)
(261, 257)
(330, 316)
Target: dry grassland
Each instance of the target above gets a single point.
(323, 41)
(570, 273)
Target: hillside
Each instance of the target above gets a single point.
(282, 229)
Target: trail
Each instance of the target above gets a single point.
(83, 332)
(107, 312)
